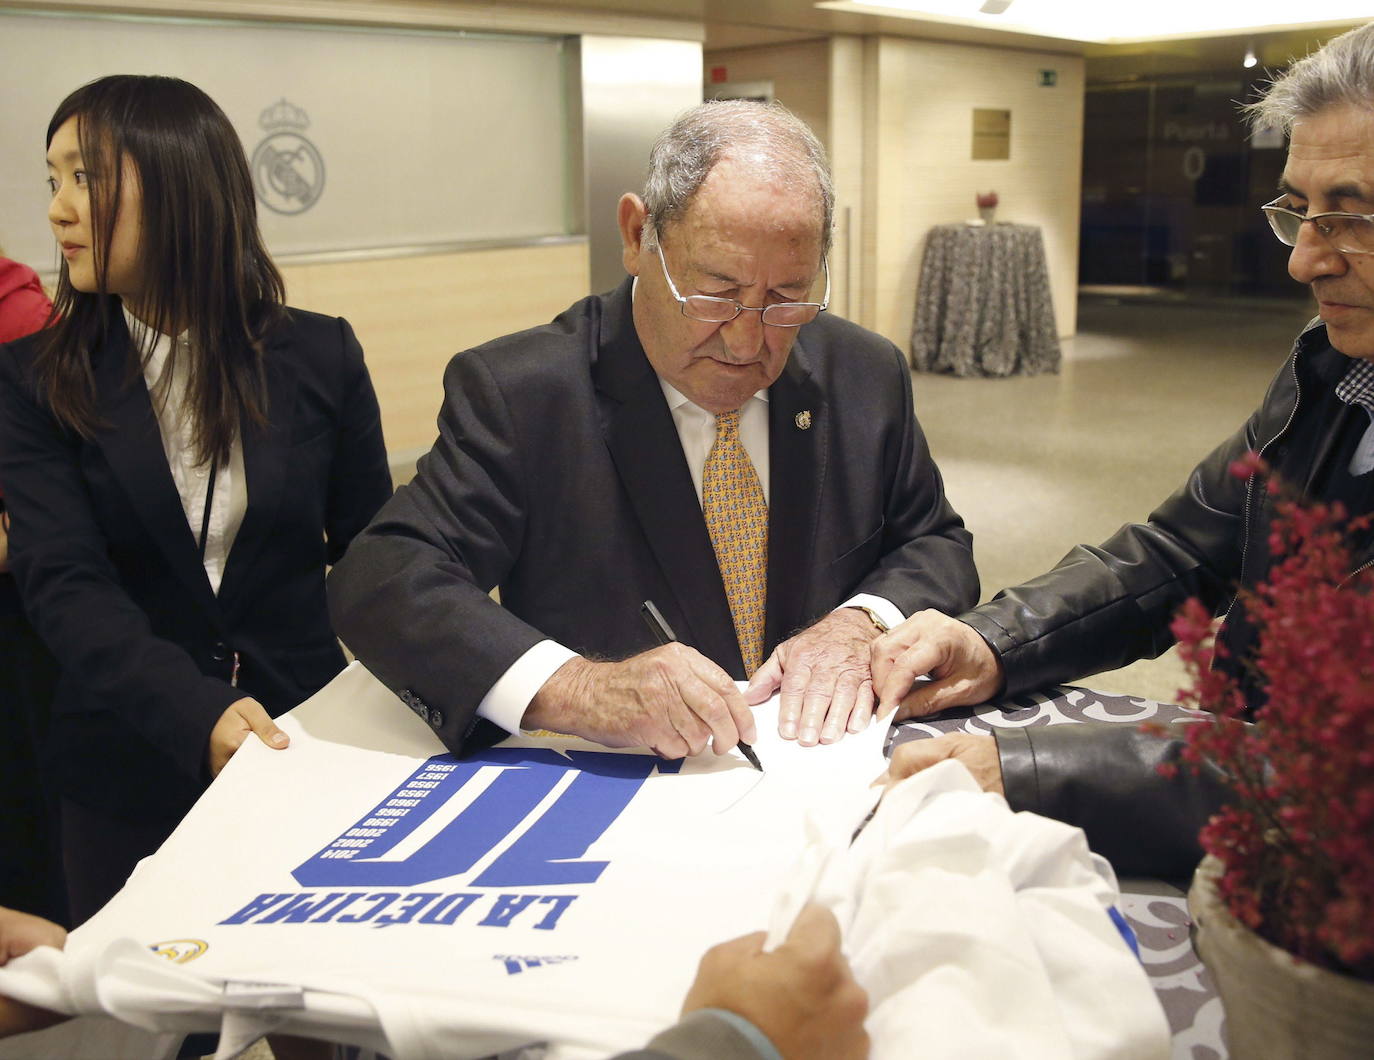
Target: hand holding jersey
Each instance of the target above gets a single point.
(977, 752)
(802, 995)
(240, 720)
(20, 933)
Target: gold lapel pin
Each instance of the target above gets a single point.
(803, 420)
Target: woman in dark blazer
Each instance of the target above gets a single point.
(182, 456)
(30, 857)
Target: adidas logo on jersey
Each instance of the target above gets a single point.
(516, 965)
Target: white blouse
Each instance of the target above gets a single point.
(230, 501)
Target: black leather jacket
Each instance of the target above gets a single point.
(1107, 606)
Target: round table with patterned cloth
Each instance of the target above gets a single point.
(984, 306)
(1157, 910)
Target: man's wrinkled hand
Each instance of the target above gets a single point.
(977, 751)
(822, 679)
(239, 721)
(803, 995)
(963, 668)
(672, 700)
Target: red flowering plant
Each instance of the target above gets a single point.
(1298, 839)
(986, 199)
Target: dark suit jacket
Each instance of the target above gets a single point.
(558, 476)
(111, 575)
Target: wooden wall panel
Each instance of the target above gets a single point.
(412, 314)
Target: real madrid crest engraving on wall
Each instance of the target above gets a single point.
(288, 172)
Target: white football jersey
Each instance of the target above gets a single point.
(366, 886)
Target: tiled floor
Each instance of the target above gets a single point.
(1038, 464)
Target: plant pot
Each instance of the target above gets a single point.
(987, 213)
(1276, 1005)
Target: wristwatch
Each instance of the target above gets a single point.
(873, 617)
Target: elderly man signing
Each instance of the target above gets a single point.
(706, 437)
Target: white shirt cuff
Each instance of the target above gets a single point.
(506, 701)
(889, 612)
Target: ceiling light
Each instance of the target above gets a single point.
(1119, 23)
(1250, 59)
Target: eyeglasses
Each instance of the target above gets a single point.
(720, 310)
(1350, 233)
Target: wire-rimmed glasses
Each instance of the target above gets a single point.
(721, 310)
(1350, 233)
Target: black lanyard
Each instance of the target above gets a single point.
(205, 519)
(204, 535)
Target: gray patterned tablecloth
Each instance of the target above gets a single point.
(984, 307)
(1157, 910)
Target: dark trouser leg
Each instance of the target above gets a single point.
(30, 849)
(100, 852)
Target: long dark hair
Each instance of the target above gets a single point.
(202, 261)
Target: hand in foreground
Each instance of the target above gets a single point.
(802, 995)
(19, 933)
(823, 675)
(241, 719)
(963, 668)
(976, 751)
(672, 700)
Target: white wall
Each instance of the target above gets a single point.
(896, 116)
(412, 314)
(417, 138)
(800, 73)
(920, 96)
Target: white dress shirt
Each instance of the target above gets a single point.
(506, 701)
(192, 480)
(696, 430)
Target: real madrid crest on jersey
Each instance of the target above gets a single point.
(288, 172)
(179, 951)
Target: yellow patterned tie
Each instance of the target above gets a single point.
(737, 520)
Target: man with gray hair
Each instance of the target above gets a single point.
(1103, 607)
(708, 439)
